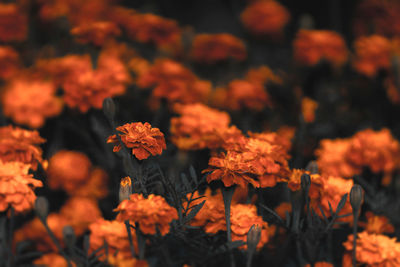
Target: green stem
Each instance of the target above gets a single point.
(227, 194)
(355, 221)
(128, 229)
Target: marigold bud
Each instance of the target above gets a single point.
(253, 237)
(41, 207)
(125, 188)
(312, 167)
(69, 236)
(109, 108)
(356, 196)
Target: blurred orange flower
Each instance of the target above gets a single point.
(151, 213)
(119, 261)
(244, 94)
(321, 264)
(174, 82)
(212, 48)
(376, 224)
(116, 236)
(13, 23)
(262, 75)
(308, 107)
(9, 62)
(52, 260)
(16, 187)
(282, 208)
(315, 190)
(96, 33)
(265, 17)
(17, 144)
(198, 126)
(96, 185)
(312, 46)
(17, 102)
(372, 54)
(373, 250)
(142, 138)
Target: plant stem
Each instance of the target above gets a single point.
(128, 229)
(355, 221)
(227, 194)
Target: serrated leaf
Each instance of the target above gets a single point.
(341, 203)
(186, 182)
(193, 174)
(193, 212)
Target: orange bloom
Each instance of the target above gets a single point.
(376, 149)
(17, 144)
(52, 260)
(97, 32)
(16, 187)
(149, 212)
(372, 54)
(116, 236)
(374, 250)
(294, 183)
(95, 186)
(18, 104)
(262, 75)
(308, 107)
(9, 62)
(119, 261)
(198, 126)
(245, 94)
(174, 82)
(13, 23)
(377, 224)
(282, 208)
(321, 264)
(265, 18)
(280, 138)
(211, 48)
(142, 138)
(312, 46)
(332, 160)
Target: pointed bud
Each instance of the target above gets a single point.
(69, 236)
(312, 167)
(41, 207)
(125, 188)
(305, 181)
(253, 237)
(109, 108)
(356, 197)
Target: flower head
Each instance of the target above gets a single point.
(9, 62)
(52, 259)
(97, 32)
(376, 224)
(142, 138)
(13, 23)
(308, 107)
(151, 213)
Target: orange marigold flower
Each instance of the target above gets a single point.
(18, 104)
(13, 23)
(372, 54)
(321, 264)
(95, 186)
(312, 46)
(142, 138)
(373, 250)
(308, 107)
(16, 187)
(9, 62)
(116, 236)
(280, 138)
(332, 159)
(211, 48)
(265, 18)
(376, 149)
(245, 94)
(150, 212)
(96, 32)
(282, 208)
(120, 261)
(198, 126)
(294, 183)
(17, 144)
(52, 260)
(262, 75)
(174, 82)
(243, 216)
(376, 224)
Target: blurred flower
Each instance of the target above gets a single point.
(13, 23)
(308, 107)
(312, 46)
(9, 62)
(17, 144)
(174, 82)
(262, 75)
(95, 186)
(17, 102)
(52, 260)
(294, 183)
(282, 208)
(150, 212)
(265, 17)
(321, 264)
(372, 54)
(96, 33)
(142, 138)
(244, 94)
(373, 250)
(116, 236)
(198, 126)
(16, 187)
(119, 261)
(212, 48)
(376, 224)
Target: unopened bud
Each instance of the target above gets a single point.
(305, 181)
(312, 167)
(253, 237)
(69, 236)
(125, 188)
(109, 108)
(41, 207)
(356, 196)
